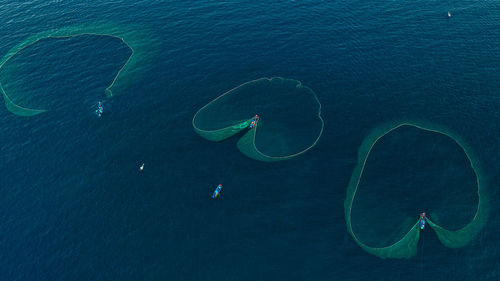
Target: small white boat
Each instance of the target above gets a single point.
(449, 14)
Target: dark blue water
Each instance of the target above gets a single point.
(75, 207)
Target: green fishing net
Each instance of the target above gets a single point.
(407, 168)
(131, 37)
(289, 121)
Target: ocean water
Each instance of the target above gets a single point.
(75, 207)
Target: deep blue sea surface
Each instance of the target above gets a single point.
(74, 205)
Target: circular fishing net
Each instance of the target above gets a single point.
(289, 122)
(139, 54)
(405, 169)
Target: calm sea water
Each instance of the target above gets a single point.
(75, 207)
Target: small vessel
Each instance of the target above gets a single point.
(254, 122)
(449, 14)
(421, 221)
(100, 109)
(217, 191)
(141, 167)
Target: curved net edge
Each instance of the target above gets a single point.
(248, 147)
(16, 109)
(138, 55)
(451, 239)
(406, 247)
(462, 237)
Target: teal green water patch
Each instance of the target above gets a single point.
(141, 54)
(403, 231)
(289, 121)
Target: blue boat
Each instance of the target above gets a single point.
(100, 109)
(254, 122)
(217, 191)
(421, 222)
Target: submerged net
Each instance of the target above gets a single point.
(140, 54)
(289, 122)
(413, 169)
